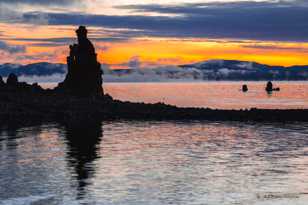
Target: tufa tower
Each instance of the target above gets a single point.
(84, 76)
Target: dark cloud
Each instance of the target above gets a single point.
(67, 40)
(52, 45)
(40, 2)
(103, 48)
(249, 20)
(11, 48)
(134, 62)
(212, 8)
(275, 20)
(277, 47)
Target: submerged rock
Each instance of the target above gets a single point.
(269, 87)
(245, 88)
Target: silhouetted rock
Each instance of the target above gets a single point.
(269, 87)
(36, 88)
(245, 88)
(12, 80)
(1, 81)
(84, 77)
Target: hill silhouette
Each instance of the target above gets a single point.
(206, 70)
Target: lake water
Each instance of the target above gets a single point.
(218, 94)
(141, 163)
(226, 95)
(158, 163)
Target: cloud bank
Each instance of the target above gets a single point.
(11, 48)
(250, 20)
(269, 20)
(39, 2)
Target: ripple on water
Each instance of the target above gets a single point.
(131, 162)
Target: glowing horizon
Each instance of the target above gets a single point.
(125, 35)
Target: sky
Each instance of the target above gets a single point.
(151, 33)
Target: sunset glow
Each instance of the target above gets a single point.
(33, 35)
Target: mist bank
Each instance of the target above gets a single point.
(203, 71)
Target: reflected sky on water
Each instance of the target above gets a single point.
(154, 163)
(215, 94)
(212, 94)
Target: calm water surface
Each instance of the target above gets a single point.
(218, 94)
(155, 163)
(223, 95)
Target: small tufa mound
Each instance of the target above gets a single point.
(245, 88)
(269, 87)
(12, 80)
(2, 83)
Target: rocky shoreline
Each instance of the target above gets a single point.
(47, 106)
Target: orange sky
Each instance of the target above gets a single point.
(41, 31)
(173, 51)
(149, 51)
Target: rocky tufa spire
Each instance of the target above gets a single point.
(84, 77)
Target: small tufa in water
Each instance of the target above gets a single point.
(244, 88)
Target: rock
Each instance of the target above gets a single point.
(1, 81)
(269, 86)
(36, 88)
(245, 88)
(12, 80)
(84, 77)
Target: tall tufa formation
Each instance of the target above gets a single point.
(84, 77)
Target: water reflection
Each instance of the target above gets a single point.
(155, 163)
(83, 139)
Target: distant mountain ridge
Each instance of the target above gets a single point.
(207, 70)
(35, 69)
(245, 70)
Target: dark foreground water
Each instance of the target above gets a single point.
(156, 163)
